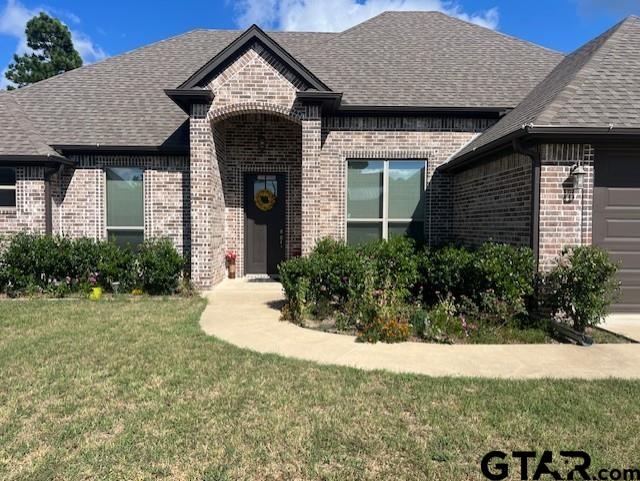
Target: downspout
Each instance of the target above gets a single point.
(534, 155)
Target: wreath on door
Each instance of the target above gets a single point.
(265, 200)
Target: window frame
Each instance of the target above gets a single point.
(385, 220)
(12, 187)
(107, 227)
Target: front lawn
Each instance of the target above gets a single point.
(132, 389)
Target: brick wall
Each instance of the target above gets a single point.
(79, 196)
(492, 201)
(29, 215)
(565, 214)
(433, 139)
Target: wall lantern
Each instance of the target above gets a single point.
(578, 174)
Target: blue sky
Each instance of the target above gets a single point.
(105, 28)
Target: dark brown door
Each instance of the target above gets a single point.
(264, 207)
(616, 218)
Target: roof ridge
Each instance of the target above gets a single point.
(337, 35)
(498, 32)
(577, 76)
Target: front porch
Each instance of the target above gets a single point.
(253, 174)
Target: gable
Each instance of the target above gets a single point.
(255, 76)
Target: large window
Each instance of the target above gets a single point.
(385, 198)
(7, 187)
(125, 212)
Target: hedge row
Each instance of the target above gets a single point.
(57, 265)
(373, 287)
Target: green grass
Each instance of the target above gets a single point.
(132, 389)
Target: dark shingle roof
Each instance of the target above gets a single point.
(19, 137)
(428, 59)
(396, 59)
(595, 86)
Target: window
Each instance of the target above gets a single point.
(7, 187)
(125, 213)
(385, 198)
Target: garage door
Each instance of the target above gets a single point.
(616, 218)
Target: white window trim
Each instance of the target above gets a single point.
(385, 220)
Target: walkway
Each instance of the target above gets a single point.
(246, 314)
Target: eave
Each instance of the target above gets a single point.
(531, 132)
(48, 160)
(184, 98)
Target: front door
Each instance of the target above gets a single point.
(264, 228)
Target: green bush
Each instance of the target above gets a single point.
(505, 272)
(57, 266)
(582, 286)
(338, 274)
(393, 267)
(444, 271)
(160, 266)
(295, 276)
(443, 324)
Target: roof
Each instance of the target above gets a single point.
(595, 87)
(403, 59)
(429, 59)
(20, 140)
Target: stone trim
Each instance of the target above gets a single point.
(221, 113)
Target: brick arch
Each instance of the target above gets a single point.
(231, 110)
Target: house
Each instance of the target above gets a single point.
(264, 142)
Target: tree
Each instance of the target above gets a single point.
(53, 52)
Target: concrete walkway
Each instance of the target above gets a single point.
(626, 324)
(246, 314)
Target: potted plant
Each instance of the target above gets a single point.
(230, 257)
(96, 291)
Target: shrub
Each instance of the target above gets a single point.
(116, 264)
(386, 325)
(338, 275)
(393, 266)
(443, 323)
(444, 271)
(582, 286)
(58, 265)
(295, 276)
(160, 266)
(505, 273)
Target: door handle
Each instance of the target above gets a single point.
(281, 238)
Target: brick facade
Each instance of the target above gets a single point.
(30, 213)
(492, 201)
(255, 125)
(565, 214)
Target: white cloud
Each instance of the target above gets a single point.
(13, 19)
(338, 15)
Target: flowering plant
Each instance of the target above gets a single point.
(230, 256)
(93, 279)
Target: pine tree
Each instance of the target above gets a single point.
(53, 52)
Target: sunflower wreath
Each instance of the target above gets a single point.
(265, 200)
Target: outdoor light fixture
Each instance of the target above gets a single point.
(578, 173)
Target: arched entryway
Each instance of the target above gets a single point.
(259, 154)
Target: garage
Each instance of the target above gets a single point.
(616, 217)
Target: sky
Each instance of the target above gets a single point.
(105, 28)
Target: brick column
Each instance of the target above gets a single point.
(31, 200)
(207, 204)
(310, 203)
(565, 213)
